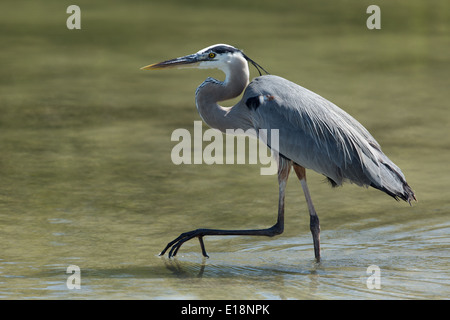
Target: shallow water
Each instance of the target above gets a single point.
(87, 177)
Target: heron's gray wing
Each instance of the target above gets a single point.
(316, 134)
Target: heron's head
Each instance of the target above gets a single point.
(219, 56)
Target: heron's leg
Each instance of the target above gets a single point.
(284, 167)
(313, 218)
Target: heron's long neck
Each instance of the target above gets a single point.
(212, 91)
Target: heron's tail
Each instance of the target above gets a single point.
(407, 194)
(393, 183)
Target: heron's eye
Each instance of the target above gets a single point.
(211, 55)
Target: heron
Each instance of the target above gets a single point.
(313, 134)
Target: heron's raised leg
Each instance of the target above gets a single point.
(284, 167)
(313, 218)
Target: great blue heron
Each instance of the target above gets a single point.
(313, 133)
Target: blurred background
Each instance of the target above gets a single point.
(86, 176)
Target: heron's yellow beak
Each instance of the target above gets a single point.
(151, 67)
(190, 61)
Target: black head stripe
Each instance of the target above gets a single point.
(220, 49)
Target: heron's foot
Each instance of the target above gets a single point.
(315, 231)
(176, 244)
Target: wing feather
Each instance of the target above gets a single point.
(314, 132)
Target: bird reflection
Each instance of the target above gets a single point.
(184, 270)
